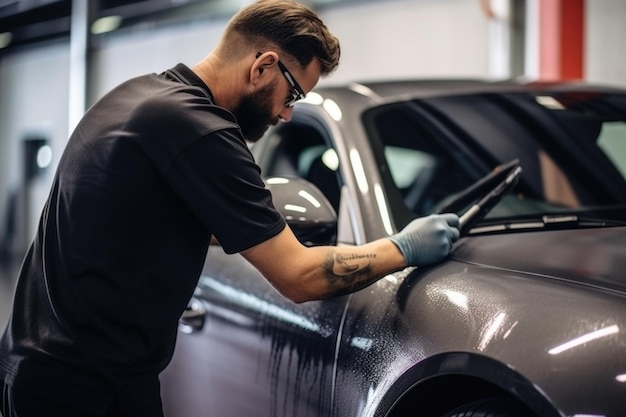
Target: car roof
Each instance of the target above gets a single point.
(430, 87)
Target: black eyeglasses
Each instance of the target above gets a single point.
(296, 93)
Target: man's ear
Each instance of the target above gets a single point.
(263, 61)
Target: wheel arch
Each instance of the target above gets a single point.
(459, 378)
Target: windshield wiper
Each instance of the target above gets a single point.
(465, 198)
(548, 221)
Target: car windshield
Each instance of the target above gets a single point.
(571, 145)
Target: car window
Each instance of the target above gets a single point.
(571, 145)
(424, 167)
(407, 164)
(302, 150)
(555, 136)
(612, 141)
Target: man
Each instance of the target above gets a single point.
(155, 169)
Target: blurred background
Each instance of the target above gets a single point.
(57, 57)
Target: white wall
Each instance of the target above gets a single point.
(605, 41)
(33, 101)
(396, 39)
(399, 39)
(121, 57)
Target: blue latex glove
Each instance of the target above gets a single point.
(427, 240)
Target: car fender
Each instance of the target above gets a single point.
(462, 310)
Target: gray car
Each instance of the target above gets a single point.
(526, 317)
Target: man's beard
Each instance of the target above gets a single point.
(254, 113)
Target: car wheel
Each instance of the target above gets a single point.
(491, 407)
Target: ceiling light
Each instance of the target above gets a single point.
(5, 39)
(106, 24)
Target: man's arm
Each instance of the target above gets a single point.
(303, 273)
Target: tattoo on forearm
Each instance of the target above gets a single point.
(349, 272)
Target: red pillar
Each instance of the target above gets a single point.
(561, 39)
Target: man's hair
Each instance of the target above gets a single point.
(293, 27)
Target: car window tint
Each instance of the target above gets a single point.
(302, 150)
(424, 167)
(612, 141)
(407, 164)
(555, 137)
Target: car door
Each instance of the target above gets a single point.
(244, 349)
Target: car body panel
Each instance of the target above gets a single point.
(592, 257)
(473, 307)
(245, 340)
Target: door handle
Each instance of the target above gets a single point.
(193, 318)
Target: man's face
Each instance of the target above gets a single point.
(254, 113)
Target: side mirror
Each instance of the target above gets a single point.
(305, 208)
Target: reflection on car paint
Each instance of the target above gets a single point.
(359, 172)
(252, 302)
(586, 338)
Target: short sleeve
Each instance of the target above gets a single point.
(218, 180)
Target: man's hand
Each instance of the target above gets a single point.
(428, 239)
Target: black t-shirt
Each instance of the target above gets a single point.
(152, 171)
